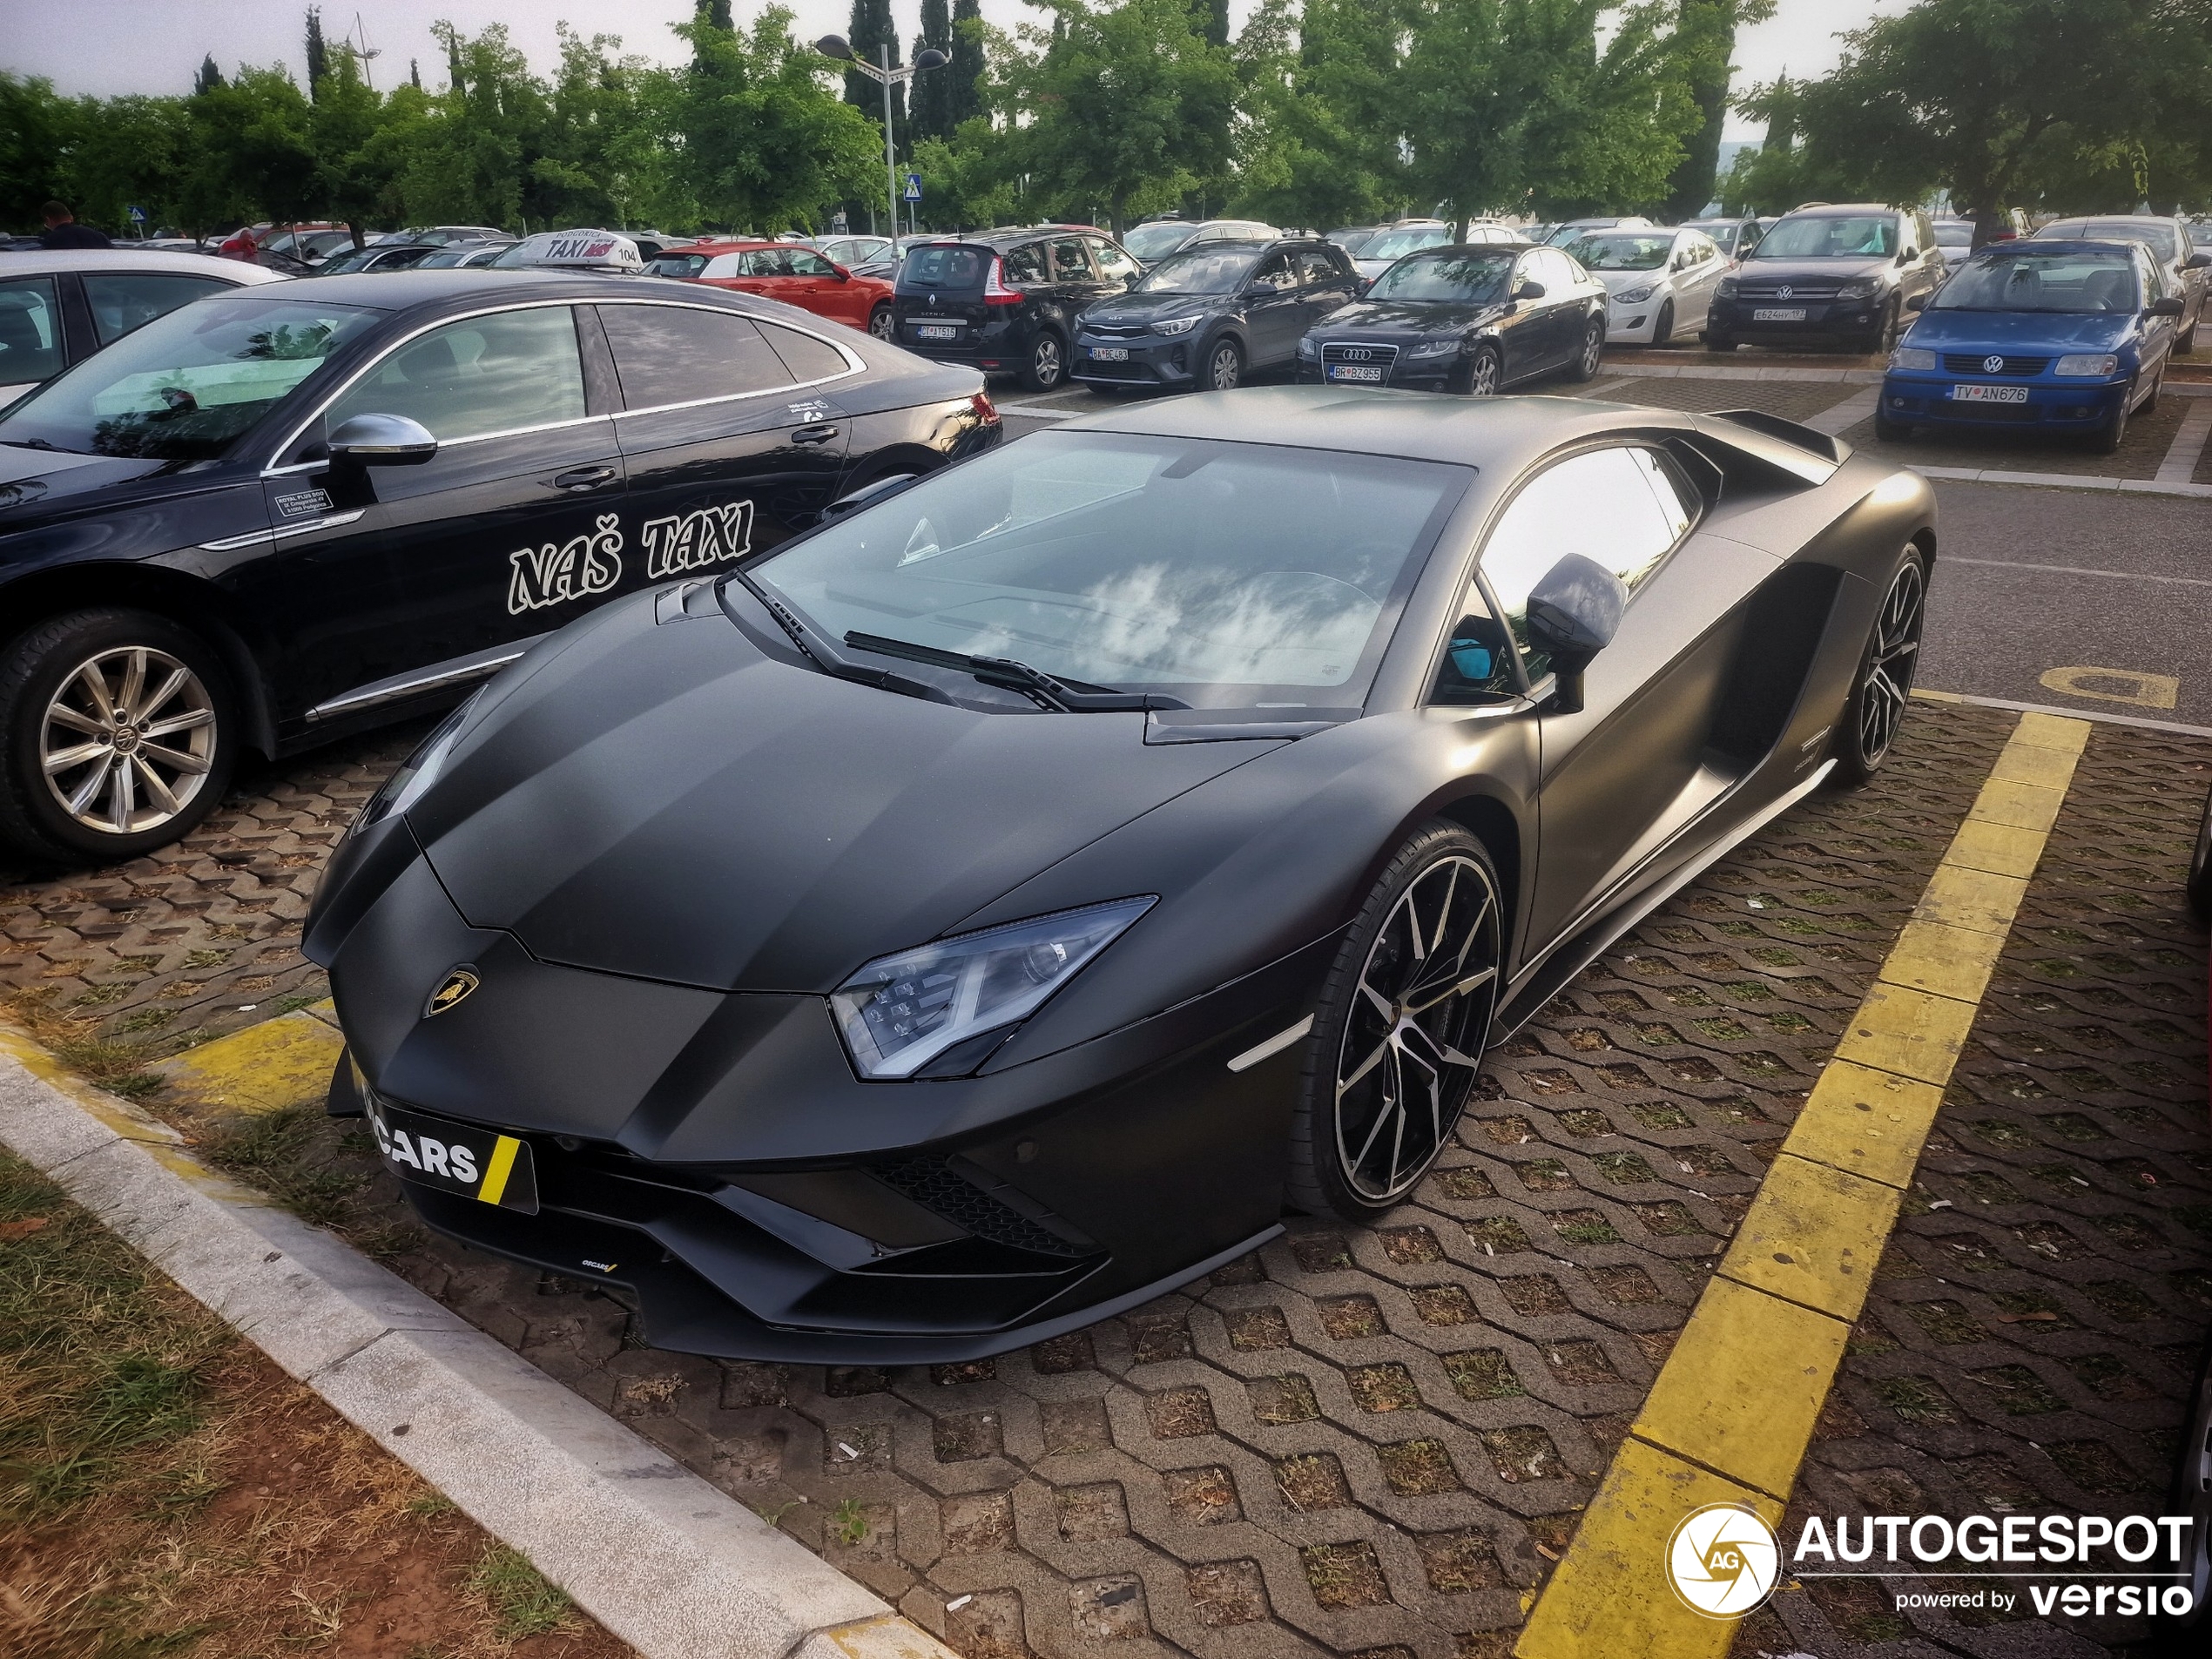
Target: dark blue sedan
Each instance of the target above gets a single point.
(2051, 335)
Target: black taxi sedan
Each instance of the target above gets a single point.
(276, 516)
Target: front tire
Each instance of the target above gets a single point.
(1047, 364)
(1884, 339)
(1662, 331)
(1585, 366)
(118, 730)
(1868, 729)
(1483, 374)
(2114, 432)
(2199, 883)
(1224, 365)
(1398, 1034)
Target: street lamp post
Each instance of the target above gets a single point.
(837, 47)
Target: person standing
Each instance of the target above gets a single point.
(64, 231)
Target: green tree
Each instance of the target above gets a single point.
(209, 77)
(969, 96)
(36, 129)
(1704, 48)
(931, 106)
(1320, 144)
(251, 152)
(969, 185)
(318, 54)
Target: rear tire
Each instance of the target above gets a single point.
(118, 729)
(1379, 1093)
(879, 323)
(1867, 729)
(1046, 368)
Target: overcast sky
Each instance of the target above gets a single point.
(110, 46)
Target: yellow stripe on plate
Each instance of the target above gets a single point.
(503, 1165)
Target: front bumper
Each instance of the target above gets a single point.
(715, 1155)
(1150, 363)
(1825, 322)
(1918, 398)
(1629, 324)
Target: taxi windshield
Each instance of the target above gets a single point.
(186, 386)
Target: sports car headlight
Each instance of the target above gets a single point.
(1859, 288)
(1435, 348)
(1634, 296)
(1911, 357)
(2090, 365)
(416, 773)
(900, 1013)
(1177, 325)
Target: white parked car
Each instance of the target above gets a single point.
(57, 308)
(577, 250)
(1658, 281)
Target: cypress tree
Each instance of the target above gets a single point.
(414, 74)
(209, 78)
(932, 88)
(965, 97)
(1218, 22)
(872, 29)
(318, 54)
(1705, 37)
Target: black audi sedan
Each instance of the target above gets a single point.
(1829, 276)
(993, 909)
(1206, 317)
(1472, 319)
(1007, 303)
(287, 512)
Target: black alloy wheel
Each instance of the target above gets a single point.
(119, 732)
(879, 323)
(1047, 363)
(1224, 365)
(1662, 331)
(1483, 375)
(1585, 366)
(1398, 1034)
(1878, 697)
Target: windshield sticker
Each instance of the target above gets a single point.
(304, 503)
(554, 574)
(708, 535)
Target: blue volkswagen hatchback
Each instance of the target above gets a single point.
(2055, 336)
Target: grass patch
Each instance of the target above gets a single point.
(274, 1151)
(117, 1067)
(520, 1600)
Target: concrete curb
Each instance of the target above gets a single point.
(668, 1563)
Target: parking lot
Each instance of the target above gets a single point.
(1380, 1442)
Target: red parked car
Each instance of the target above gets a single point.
(788, 271)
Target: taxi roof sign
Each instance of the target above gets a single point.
(587, 249)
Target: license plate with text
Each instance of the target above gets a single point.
(936, 331)
(1989, 395)
(1779, 314)
(1355, 372)
(1109, 353)
(459, 1158)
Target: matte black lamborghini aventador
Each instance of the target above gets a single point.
(1002, 903)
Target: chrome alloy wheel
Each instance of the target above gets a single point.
(1419, 1016)
(1482, 375)
(127, 739)
(1892, 657)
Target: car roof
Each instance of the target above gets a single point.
(403, 290)
(2063, 244)
(1499, 433)
(46, 261)
(1833, 210)
(736, 244)
(2114, 219)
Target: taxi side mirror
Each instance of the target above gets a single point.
(383, 441)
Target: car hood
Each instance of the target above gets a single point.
(1134, 310)
(1381, 318)
(2014, 331)
(47, 475)
(672, 802)
(1815, 270)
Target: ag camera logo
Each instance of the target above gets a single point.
(1723, 1561)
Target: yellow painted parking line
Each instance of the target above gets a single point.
(265, 1067)
(1732, 1411)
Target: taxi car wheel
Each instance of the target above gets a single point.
(120, 731)
(1398, 1034)
(1586, 362)
(1224, 367)
(1883, 686)
(879, 323)
(1048, 364)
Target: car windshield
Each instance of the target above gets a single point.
(1464, 279)
(2016, 277)
(1352, 241)
(1830, 236)
(1952, 233)
(1390, 244)
(1723, 231)
(1621, 250)
(1227, 575)
(1209, 270)
(1151, 242)
(186, 386)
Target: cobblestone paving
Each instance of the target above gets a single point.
(1794, 401)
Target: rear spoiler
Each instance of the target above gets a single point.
(1828, 448)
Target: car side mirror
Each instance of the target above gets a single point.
(1573, 613)
(1916, 302)
(2197, 262)
(843, 275)
(1529, 289)
(2168, 306)
(1360, 286)
(383, 441)
(1132, 280)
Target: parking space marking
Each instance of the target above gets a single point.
(2084, 569)
(2130, 685)
(2188, 448)
(2100, 718)
(2062, 481)
(1732, 1411)
(1859, 406)
(264, 1067)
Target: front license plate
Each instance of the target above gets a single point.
(935, 331)
(1779, 314)
(1355, 372)
(1989, 395)
(1109, 353)
(477, 1163)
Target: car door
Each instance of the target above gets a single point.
(1624, 773)
(1076, 280)
(33, 347)
(121, 300)
(1116, 270)
(1327, 285)
(730, 431)
(1274, 311)
(820, 287)
(388, 570)
(1700, 274)
(1524, 346)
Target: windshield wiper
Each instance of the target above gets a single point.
(1063, 697)
(827, 657)
(34, 443)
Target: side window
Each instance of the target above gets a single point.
(1526, 271)
(807, 358)
(1114, 265)
(767, 262)
(679, 355)
(1070, 262)
(1555, 271)
(808, 263)
(1477, 658)
(122, 301)
(1619, 506)
(31, 331)
(1315, 266)
(1275, 272)
(1025, 263)
(482, 374)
